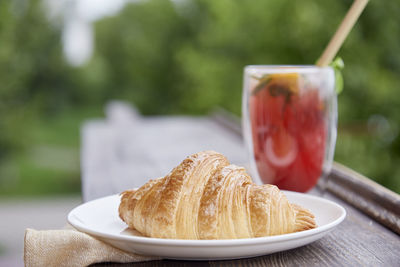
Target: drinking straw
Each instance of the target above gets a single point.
(341, 33)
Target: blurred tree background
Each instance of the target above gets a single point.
(186, 57)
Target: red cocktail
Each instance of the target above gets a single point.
(290, 118)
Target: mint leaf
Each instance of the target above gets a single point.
(337, 66)
(337, 63)
(263, 82)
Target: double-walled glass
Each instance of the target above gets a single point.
(289, 122)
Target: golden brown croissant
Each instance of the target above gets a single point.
(207, 198)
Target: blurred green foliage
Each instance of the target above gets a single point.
(188, 57)
(39, 95)
(34, 77)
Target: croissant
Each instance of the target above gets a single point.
(207, 198)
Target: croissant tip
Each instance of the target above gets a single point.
(305, 220)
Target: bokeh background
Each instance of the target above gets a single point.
(61, 61)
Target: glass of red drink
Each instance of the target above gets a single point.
(289, 123)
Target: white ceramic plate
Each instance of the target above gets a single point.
(100, 219)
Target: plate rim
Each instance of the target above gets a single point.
(211, 242)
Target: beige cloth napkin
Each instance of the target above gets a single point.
(71, 248)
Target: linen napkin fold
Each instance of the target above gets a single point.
(69, 247)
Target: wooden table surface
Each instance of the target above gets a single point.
(125, 150)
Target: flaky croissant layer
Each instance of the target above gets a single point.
(207, 198)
